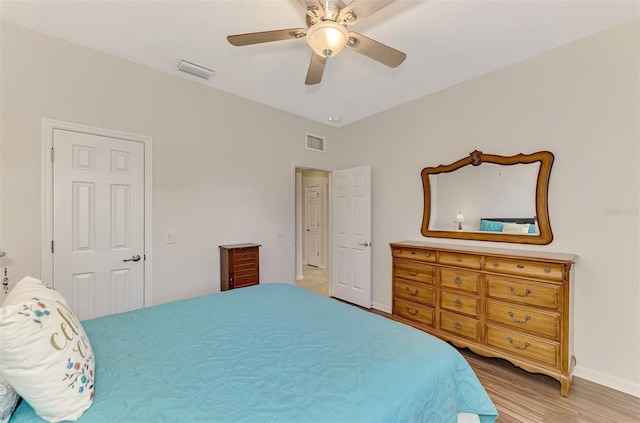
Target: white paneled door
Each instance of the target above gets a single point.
(98, 222)
(351, 235)
(313, 211)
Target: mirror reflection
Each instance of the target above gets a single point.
(491, 193)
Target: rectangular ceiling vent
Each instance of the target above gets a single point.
(316, 143)
(195, 70)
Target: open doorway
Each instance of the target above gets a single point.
(312, 230)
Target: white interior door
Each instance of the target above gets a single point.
(98, 222)
(351, 235)
(313, 211)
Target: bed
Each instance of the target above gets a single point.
(272, 352)
(519, 225)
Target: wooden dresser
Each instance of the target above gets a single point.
(239, 266)
(499, 303)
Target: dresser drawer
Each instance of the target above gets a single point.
(530, 293)
(413, 291)
(469, 261)
(525, 346)
(459, 303)
(547, 324)
(413, 311)
(530, 269)
(413, 270)
(453, 278)
(459, 325)
(428, 256)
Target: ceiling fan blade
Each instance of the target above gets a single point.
(315, 11)
(359, 9)
(266, 36)
(375, 50)
(316, 69)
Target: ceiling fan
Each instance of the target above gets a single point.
(327, 34)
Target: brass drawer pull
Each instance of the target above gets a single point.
(457, 325)
(526, 292)
(409, 311)
(526, 344)
(496, 264)
(458, 303)
(458, 258)
(398, 251)
(410, 293)
(427, 254)
(413, 253)
(526, 318)
(520, 266)
(411, 273)
(458, 280)
(547, 270)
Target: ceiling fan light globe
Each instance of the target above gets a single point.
(327, 38)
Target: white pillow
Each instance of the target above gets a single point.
(519, 228)
(46, 355)
(8, 400)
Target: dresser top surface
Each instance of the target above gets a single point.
(563, 257)
(234, 246)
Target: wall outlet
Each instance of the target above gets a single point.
(169, 237)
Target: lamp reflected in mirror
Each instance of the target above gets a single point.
(459, 220)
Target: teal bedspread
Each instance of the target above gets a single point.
(272, 353)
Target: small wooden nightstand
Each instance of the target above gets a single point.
(239, 266)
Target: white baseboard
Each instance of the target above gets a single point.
(381, 307)
(607, 380)
(299, 277)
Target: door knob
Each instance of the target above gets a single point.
(365, 244)
(134, 258)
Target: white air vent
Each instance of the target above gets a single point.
(195, 70)
(316, 143)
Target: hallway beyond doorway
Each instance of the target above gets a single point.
(315, 279)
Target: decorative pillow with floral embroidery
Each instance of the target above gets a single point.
(46, 355)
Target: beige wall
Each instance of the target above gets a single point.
(579, 101)
(211, 151)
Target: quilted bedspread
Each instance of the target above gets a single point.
(272, 353)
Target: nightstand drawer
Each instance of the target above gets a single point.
(428, 256)
(461, 326)
(534, 269)
(460, 260)
(547, 324)
(526, 346)
(413, 311)
(413, 270)
(453, 278)
(459, 303)
(413, 291)
(529, 292)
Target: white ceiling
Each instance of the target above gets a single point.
(446, 42)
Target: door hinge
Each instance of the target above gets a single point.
(52, 247)
(51, 153)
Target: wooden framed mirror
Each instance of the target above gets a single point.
(487, 197)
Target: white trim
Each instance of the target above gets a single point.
(607, 380)
(382, 307)
(46, 259)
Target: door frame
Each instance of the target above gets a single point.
(309, 166)
(46, 205)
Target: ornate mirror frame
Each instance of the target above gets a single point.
(476, 158)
